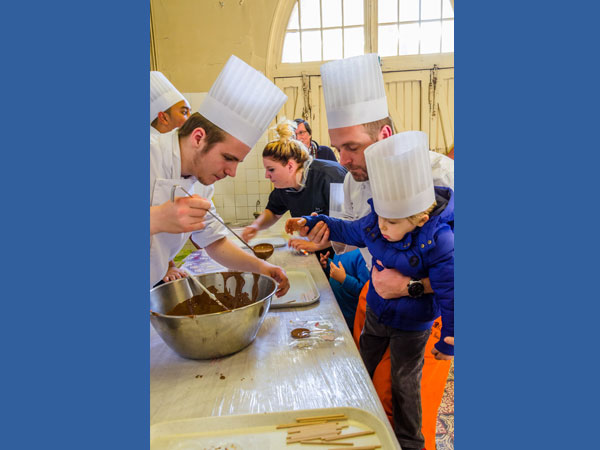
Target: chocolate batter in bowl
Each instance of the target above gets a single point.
(196, 327)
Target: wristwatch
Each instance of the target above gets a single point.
(415, 288)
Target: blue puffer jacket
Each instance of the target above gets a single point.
(426, 252)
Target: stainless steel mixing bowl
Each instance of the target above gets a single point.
(210, 335)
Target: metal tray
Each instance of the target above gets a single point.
(258, 432)
(303, 291)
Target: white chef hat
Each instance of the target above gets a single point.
(163, 94)
(354, 91)
(400, 175)
(242, 101)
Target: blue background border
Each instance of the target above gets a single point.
(75, 229)
(526, 245)
(74, 153)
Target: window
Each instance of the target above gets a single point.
(414, 27)
(322, 30)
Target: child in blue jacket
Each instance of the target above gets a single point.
(347, 274)
(410, 228)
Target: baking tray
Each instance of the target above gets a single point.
(258, 432)
(303, 291)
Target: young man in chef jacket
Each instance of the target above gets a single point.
(357, 116)
(207, 148)
(168, 107)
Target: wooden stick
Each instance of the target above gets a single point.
(323, 432)
(311, 433)
(326, 426)
(331, 416)
(344, 436)
(365, 447)
(298, 424)
(322, 436)
(325, 443)
(318, 429)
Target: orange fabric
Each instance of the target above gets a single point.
(433, 382)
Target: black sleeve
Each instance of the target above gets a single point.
(276, 203)
(326, 153)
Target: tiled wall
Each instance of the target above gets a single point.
(235, 198)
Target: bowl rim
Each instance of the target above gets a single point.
(158, 314)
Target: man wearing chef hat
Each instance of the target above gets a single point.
(357, 116)
(168, 110)
(207, 148)
(408, 228)
(168, 107)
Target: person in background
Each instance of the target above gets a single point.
(347, 279)
(168, 110)
(304, 135)
(168, 107)
(408, 229)
(208, 147)
(357, 116)
(301, 182)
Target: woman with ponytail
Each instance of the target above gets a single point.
(301, 182)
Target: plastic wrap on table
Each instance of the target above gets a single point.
(268, 375)
(199, 262)
(307, 334)
(264, 377)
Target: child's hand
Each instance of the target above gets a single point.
(294, 224)
(439, 355)
(337, 273)
(301, 244)
(323, 260)
(174, 274)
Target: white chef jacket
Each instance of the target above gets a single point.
(165, 171)
(356, 193)
(154, 132)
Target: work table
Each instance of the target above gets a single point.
(269, 375)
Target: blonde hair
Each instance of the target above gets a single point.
(416, 218)
(285, 147)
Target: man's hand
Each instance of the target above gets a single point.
(249, 232)
(439, 355)
(301, 244)
(278, 274)
(449, 340)
(294, 224)
(337, 273)
(174, 274)
(389, 283)
(184, 215)
(323, 260)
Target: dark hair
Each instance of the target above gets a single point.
(214, 134)
(306, 125)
